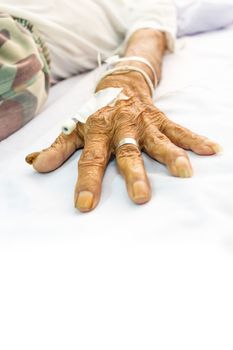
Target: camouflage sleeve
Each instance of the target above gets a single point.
(24, 73)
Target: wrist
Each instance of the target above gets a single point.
(132, 82)
(149, 45)
(141, 66)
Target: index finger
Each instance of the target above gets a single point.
(91, 168)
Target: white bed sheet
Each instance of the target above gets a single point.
(124, 276)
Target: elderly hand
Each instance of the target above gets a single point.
(136, 117)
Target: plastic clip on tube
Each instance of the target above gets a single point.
(69, 126)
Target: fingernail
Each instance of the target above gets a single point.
(217, 148)
(140, 192)
(31, 157)
(183, 167)
(84, 200)
(214, 146)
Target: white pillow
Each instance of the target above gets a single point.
(195, 16)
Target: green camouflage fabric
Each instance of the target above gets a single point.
(24, 73)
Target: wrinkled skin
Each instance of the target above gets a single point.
(136, 117)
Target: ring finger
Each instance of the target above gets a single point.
(159, 147)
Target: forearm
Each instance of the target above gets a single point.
(147, 43)
(150, 44)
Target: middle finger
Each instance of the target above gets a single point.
(131, 166)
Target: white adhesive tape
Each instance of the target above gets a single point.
(99, 100)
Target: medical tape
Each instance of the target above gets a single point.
(113, 60)
(128, 68)
(102, 98)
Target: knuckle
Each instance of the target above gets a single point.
(154, 116)
(178, 130)
(155, 139)
(125, 118)
(100, 122)
(174, 152)
(160, 138)
(178, 152)
(93, 156)
(181, 136)
(128, 151)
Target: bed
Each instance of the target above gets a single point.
(124, 276)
